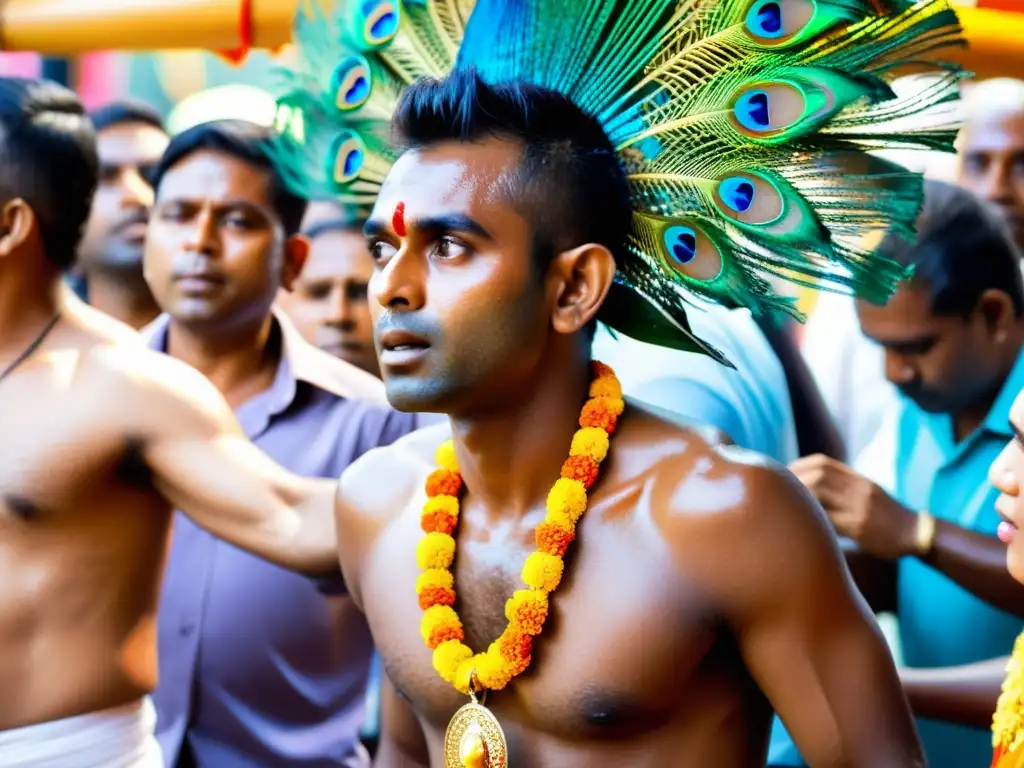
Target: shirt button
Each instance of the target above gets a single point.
(186, 630)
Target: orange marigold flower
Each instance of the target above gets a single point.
(439, 624)
(543, 571)
(436, 596)
(444, 482)
(516, 648)
(596, 414)
(604, 382)
(582, 468)
(553, 539)
(590, 441)
(527, 610)
(438, 522)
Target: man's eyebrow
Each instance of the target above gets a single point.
(1017, 434)
(445, 222)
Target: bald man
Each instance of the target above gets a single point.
(991, 150)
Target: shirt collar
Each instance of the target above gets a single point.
(998, 418)
(300, 361)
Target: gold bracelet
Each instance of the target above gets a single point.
(924, 535)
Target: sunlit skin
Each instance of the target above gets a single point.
(667, 632)
(991, 148)
(329, 301)
(1006, 474)
(112, 245)
(946, 364)
(102, 439)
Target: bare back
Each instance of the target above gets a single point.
(82, 532)
(640, 662)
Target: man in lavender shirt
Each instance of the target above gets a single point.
(258, 666)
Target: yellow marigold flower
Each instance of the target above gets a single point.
(606, 386)
(435, 550)
(543, 571)
(447, 505)
(1008, 721)
(590, 441)
(567, 500)
(439, 624)
(493, 671)
(464, 674)
(448, 656)
(445, 456)
(435, 577)
(527, 610)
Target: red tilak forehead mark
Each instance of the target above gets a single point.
(398, 220)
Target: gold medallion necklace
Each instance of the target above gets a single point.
(474, 738)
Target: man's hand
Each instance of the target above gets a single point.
(858, 508)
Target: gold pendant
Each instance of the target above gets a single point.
(474, 739)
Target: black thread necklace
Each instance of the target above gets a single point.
(31, 347)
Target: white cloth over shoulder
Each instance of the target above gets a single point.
(121, 737)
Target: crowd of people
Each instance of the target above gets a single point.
(192, 353)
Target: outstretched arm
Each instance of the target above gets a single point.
(965, 694)
(806, 636)
(203, 463)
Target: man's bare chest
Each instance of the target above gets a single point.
(621, 638)
(58, 445)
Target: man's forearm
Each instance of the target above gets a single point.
(978, 564)
(965, 694)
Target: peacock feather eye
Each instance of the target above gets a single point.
(351, 83)
(764, 19)
(737, 192)
(345, 158)
(381, 23)
(681, 243)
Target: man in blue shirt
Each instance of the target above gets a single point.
(925, 522)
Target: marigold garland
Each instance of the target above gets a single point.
(510, 655)
(1008, 721)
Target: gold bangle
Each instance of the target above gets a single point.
(924, 535)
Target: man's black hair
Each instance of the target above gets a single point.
(243, 140)
(964, 247)
(569, 185)
(126, 111)
(48, 159)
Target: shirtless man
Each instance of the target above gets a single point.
(100, 440)
(704, 587)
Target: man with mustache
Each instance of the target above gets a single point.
(257, 667)
(130, 138)
(925, 522)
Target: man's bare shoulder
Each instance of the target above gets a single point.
(97, 327)
(703, 488)
(148, 390)
(377, 486)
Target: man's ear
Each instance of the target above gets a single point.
(996, 310)
(580, 279)
(17, 222)
(296, 251)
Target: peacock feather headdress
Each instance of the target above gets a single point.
(745, 127)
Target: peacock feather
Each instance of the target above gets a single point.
(745, 127)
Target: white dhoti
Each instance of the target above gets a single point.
(121, 737)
